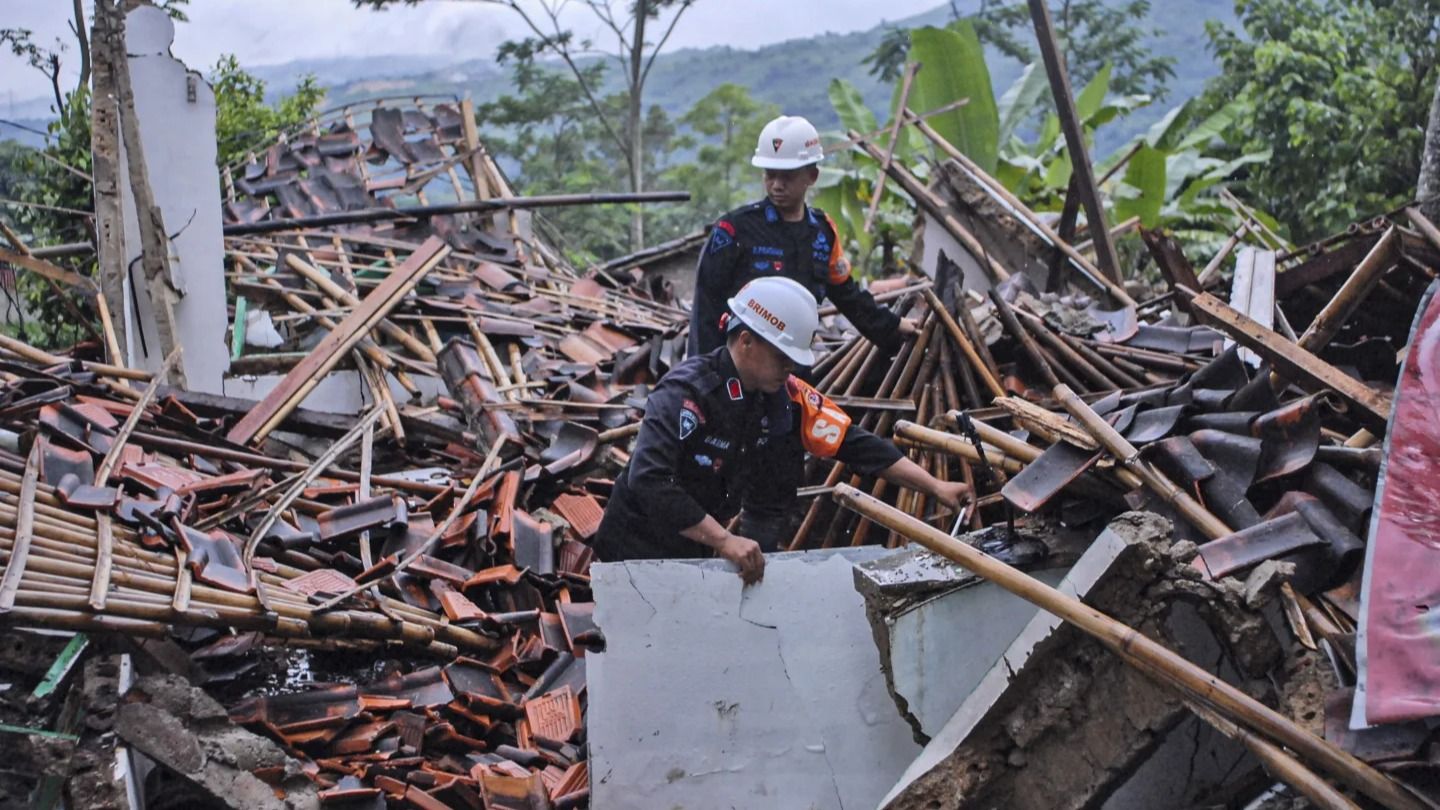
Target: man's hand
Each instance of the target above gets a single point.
(745, 553)
(909, 327)
(950, 493)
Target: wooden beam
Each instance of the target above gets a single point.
(104, 171)
(302, 379)
(1291, 361)
(937, 208)
(900, 113)
(154, 243)
(1074, 130)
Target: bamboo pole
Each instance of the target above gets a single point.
(972, 330)
(1124, 452)
(1326, 323)
(963, 341)
(1038, 328)
(105, 531)
(900, 115)
(45, 358)
(24, 531)
(327, 285)
(1012, 325)
(1169, 669)
(955, 446)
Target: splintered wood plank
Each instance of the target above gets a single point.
(309, 372)
(1291, 361)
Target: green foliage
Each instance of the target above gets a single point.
(1170, 177)
(1339, 91)
(56, 177)
(1142, 193)
(953, 69)
(1092, 33)
(244, 121)
(722, 128)
(548, 129)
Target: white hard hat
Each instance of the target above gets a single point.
(788, 142)
(781, 311)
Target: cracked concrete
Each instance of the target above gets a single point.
(1060, 723)
(708, 695)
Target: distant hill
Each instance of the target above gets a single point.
(794, 74)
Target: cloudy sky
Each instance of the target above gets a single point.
(263, 32)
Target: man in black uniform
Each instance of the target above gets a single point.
(782, 236)
(702, 453)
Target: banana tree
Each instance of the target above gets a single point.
(1168, 179)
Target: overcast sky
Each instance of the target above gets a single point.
(263, 32)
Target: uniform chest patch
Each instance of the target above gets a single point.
(732, 387)
(689, 420)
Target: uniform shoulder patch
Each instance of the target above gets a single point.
(721, 236)
(689, 421)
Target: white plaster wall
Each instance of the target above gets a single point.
(1087, 571)
(940, 649)
(178, 136)
(340, 392)
(708, 696)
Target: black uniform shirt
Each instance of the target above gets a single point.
(708, 446)
(755, 241)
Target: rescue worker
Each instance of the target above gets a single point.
(703, 449)
(782, 236)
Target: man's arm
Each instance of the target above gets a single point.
(714, 278)
(655, 462)
(742, 551)
(653, 467)
(877, 323)
(873, 455)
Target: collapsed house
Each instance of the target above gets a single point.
(344, 564)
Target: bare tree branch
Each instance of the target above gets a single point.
(77, 26)
(649, 63)
(554, 43)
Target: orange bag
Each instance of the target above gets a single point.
(822, 424)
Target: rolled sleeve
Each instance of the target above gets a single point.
(866, 452)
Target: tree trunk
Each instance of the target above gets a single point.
(84, 40)
(636, 123)
(1428, 186)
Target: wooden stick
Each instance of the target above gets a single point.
(1012, 325)
(963, 341)
(900, 111)
(100, 584)
(1213, 268)
(1124, 452)
(1362, 280)
(327, 285)
(45, 358)
(1170, 669)
(334, 452)
(425, 548)
(955, 446)
(24, 531)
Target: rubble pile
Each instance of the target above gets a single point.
(437, 531)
